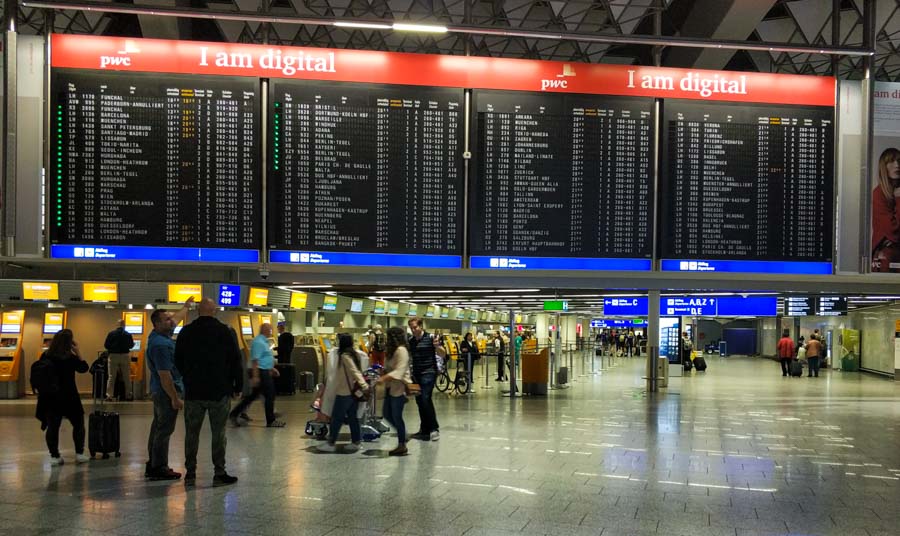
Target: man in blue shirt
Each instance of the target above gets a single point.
(166, 388)
(262, 378)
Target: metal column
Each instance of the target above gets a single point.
(653, 342)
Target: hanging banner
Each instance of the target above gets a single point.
(885, 181)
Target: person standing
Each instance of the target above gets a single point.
(119, 344)
(785, 352)
(64, 402)
(424, 355)
(209, 360)
(377, 343)
(347, 377)
(285, 344)
(397, 376)
(813, 355)
(499, 349)
(166, 389)
(687, 347)
(262, 379)
(468, 351)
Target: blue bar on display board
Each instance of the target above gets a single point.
(637, 306)
(559, 263)
(753, 267)
(152, 253)
(749, 306)
(311, 258)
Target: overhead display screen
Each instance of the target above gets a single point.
(155, 167)
(799, 306)
(747, 183)
(831, 306)
(561, 182)
(364, 174)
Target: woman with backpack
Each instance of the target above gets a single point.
(396, 375)
(347, 379)
(58, 397)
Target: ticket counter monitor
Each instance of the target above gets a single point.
(246, 337)
(53, 324)
(134, 324)
(12, 378)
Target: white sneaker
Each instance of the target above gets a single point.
(352, 447)
(82, 458)
(326, 447)
(435, 435)
(56, 461)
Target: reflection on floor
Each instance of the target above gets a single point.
(736, 451)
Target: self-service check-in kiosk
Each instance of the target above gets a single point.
(12, 380)
(134, 324)
(246, 330)
(53, 324)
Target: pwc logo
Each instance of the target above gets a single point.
(122, 59)
(560, 81)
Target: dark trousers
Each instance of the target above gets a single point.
(501, 366)
(266, 388)
(393, 413)
(786, 365)
(427, 415)
(54, 421)
(344, 411)
(194, 413)
(813, 366)
(164, 417)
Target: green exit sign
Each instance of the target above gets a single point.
(557, 305)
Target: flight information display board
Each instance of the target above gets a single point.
(365, 174)
(561, 181)
(747, 183)
(155, 167)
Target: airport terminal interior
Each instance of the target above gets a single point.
(654, 242)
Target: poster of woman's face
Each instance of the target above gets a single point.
(885, 188)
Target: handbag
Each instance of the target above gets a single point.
(412, 389)
(357, 391)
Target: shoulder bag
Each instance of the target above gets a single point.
(357, 391)
(412, 389)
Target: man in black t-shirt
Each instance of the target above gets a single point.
(285, 344)
(118, 345)
(424, 351)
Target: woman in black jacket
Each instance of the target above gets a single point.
(64, 402)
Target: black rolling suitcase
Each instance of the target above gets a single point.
(306, 381)
(796, 368)
(286, 382)
(103, 426)
(700, 363)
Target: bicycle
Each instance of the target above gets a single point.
(460, 382)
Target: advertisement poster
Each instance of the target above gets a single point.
(885, 183)
(849, 350)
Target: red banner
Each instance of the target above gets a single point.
(235, 59)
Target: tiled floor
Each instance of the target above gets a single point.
(736, 451)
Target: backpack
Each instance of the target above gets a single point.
(44, 378)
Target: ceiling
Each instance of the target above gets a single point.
(797, 22)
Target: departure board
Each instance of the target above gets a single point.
(561, 175)
(366, 168)
(747, 182)
(155, 160)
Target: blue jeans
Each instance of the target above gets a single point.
(427, 416)
(393, 413)
(344, 411)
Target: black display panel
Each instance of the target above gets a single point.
(747, 182)
(831, 306)
(560, 175)
(799, 305)
(155, 160)
(366, 168)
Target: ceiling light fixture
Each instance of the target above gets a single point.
(427, 28)
(363, 25)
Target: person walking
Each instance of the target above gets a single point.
(209, 360)
(119, 344)
(62, 401)
(500, 350)
(262, 379)
(813, 355)
(785, 352)
(285, 344)
(347, 378)
(397, 376)
(424, 354)
(166, 389)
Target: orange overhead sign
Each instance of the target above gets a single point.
(100, 292)
(40, 291)
(179, 293)
(258, 297)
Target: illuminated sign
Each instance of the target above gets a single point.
(429, 313)
(53, 322)
(179, 293)
(11, 322)
(134, 323)
(356, 306)
(178, 328)
(265, 319)
(413, 309)
(40, 291)
(379, 308)
(298, 300)
(556, 305)
(634, 306)
(100, 292)
(246, 326)
(393, 308)
(330, 303)
(258, 297)
(229, 295)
